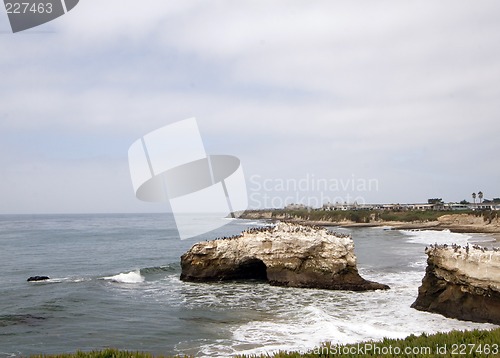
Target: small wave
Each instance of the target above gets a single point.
(246, 222)
(130, 277)
(428, 237)
(294, 334)
(483, 239)
(173, 267)
(81, 279)
(9, 355)
(69, 279)
(418, 264)
(28, 319)
(384, 227)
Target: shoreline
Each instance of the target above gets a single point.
(473, 228)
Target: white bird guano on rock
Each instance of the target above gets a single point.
(461, 282)
(284, 255)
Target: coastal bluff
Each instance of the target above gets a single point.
(462, 283)
(286, 254)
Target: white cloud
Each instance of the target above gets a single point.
(405, 92)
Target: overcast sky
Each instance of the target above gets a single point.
(402, 94)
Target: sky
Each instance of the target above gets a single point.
(376, 102)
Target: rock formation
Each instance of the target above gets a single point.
(487, 222)
(461, 282)
(38, 278)
(284, 255)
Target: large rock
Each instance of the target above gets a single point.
(461, 283)
(38, 278)
(284, 255)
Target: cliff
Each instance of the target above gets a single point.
(461, 283)
(488, 222)
(284, 255)
(485, 222)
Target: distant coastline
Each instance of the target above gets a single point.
(469, 222)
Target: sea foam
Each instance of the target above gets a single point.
(428, 237)
(130, 277)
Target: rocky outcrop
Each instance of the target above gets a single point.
(38, 278)
(284, 255)
(485, 222)
(461, 282)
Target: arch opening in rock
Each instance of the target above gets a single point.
(251, 269)
(283, 255)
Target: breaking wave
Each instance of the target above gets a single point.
(428, 237)
(130, 277)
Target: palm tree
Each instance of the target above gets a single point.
(474, 198)
(480, 195)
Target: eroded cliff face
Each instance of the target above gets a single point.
(461, 283)
(284, 255)
(488, 222)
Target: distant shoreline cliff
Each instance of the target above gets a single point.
(478, 222)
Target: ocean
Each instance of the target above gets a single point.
(115, 283)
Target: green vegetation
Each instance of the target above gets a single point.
(362, 216)
(457, 343)
(413, 215)
(470, 343)
(488, 215)
(107, 353)
(358, 216)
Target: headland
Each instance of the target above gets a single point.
(466, 222)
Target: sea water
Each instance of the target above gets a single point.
(115, 283)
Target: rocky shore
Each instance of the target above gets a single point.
(461, 282)
(462, 223)
(284, 255)
(470, 223)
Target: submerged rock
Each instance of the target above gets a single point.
(285, 255)
(38, 278)
(461, 283)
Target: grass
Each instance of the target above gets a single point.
(107, 353)
(413, 215)
(477, 343)
(470, 343)
(358, 216)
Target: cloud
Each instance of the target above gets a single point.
(406, 93)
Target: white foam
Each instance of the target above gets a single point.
(65, 279)
(384, 227)
(483, 238)
(57, 280)
(309, 330)
(251, 223)
(418, 264)
(80, 279)
(130, 277)
(428, 237)
(271, 318)
(290, 319)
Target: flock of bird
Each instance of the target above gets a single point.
(456, 247)
(292, 229)
(295, 229)
(308, 229)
